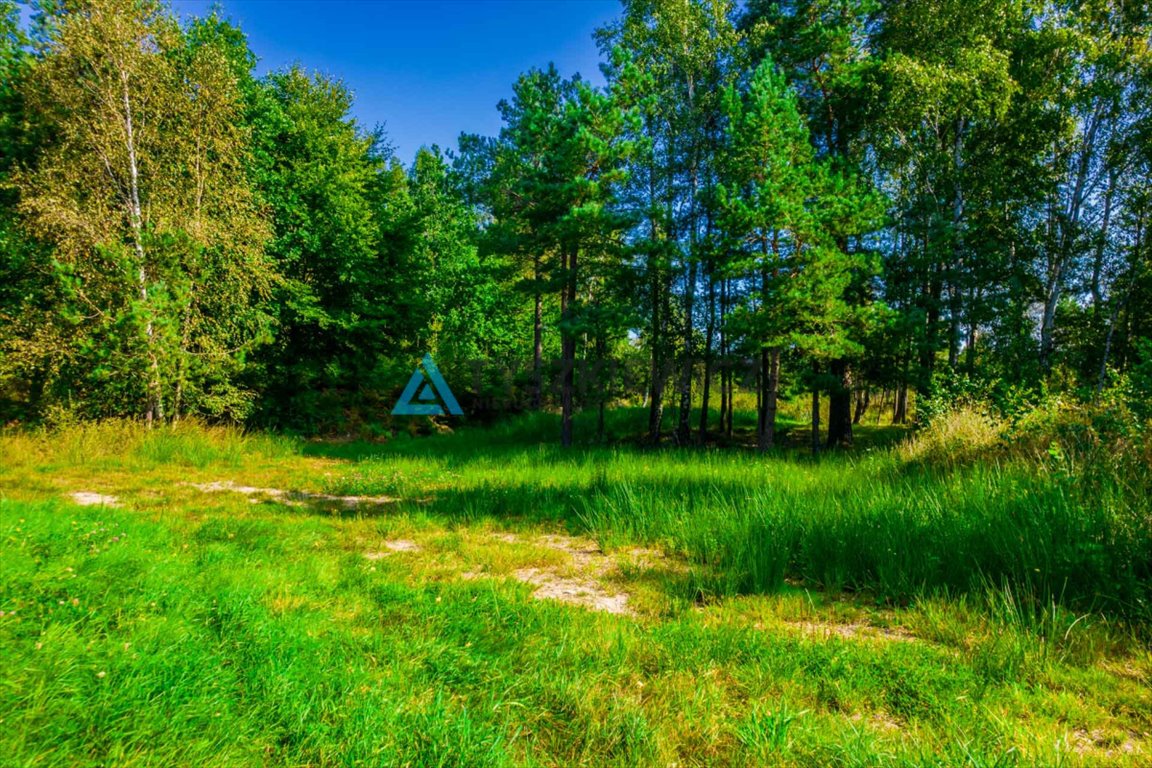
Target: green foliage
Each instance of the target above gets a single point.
(1139, 388)
(461, 306)
(317, 172)
(786, 212)
(153, 262)
(722, 196)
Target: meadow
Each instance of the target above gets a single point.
(195, 595)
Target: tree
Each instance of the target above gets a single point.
(516, 187)
(1102, 99)
(785, 212)
(22, 282)
(140, 187)
(317, 171)
(671, 60)
(823, 48)
(457, 303)
(560, 157)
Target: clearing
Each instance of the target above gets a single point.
(484, 599)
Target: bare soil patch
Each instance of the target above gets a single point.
(294, 498)
(586, 592)
(579, 581)
(89, 499)
(852, 631)
(392, 546)
(880, 720)
(1097, 741)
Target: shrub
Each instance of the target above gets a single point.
(955, 437)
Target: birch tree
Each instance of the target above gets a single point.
(141, 190)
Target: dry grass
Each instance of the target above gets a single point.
(960, 437)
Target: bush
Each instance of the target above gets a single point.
(955, 437)
(1138, 387)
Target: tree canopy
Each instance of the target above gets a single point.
(834, 198)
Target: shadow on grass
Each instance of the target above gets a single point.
(625, 429)
(856, 520)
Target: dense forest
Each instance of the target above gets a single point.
(913, 237)
(858, 202)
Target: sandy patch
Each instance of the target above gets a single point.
(1097, 741)
(392, 546)
(580, 581)
(89, 499)
(851, 631)
(586, 592)
(294, 498)
(880, 721)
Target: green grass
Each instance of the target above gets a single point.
(862, 522)
(855, 610)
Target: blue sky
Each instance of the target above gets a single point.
(427, 69)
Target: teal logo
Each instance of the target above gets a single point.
(427, 386)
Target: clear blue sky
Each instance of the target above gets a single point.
(429, 69)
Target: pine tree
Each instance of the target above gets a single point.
(785, 212)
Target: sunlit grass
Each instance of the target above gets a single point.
(872, 609)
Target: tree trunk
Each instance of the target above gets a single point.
(815, 420)
(1068, 225)
(932, 332)
(840, 406)
(900, 405)
(568, 349)
(154, 409)
(970, 340)
(656, 378)
(769, 396)
(1101, 245)
(954, 309)
(1053, 289)
(1135, 270)
(657, 297)
(706, 387)
(863, 398)
(723, 359)
(684, 423)
(955, 289)
(731, 402)
(537, 338)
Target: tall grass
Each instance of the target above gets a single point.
(949, 511)
(183, 629)
(125, 442)
(895, 534)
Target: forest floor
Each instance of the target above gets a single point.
(200, 597)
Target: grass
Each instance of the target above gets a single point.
(872, 609)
